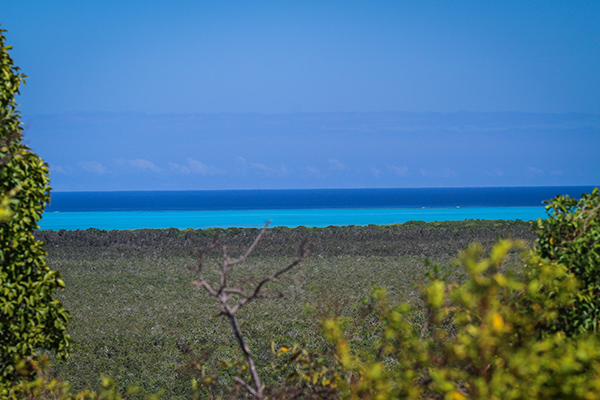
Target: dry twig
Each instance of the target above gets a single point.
(224, 294)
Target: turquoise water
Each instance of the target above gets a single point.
(122, 220)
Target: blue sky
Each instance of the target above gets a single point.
(134, 95)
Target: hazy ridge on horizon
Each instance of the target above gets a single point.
(136, 151)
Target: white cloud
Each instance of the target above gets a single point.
(285, 170)
(93, 166)
(57, 169)
(398, 170)
(496, 172)
(240, 166)
(281, 170)
(195, 167)
(198, 167)
(143, 164)
(262, 167)
(444, 173)
(181, 169)
(375, 171)
(337, 165)
(448, 173)
(534, 170)
(140, 164)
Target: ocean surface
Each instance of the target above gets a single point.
(311, 207)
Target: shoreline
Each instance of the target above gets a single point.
(318, 218)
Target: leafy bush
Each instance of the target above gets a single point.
(571, 237)
(30, 319)
(44, 387)
(496, 335)
(483, 339)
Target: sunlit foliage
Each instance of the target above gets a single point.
(488, 337)
(571, 236)
(30, 318)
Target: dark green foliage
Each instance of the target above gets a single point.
(30, 318)
(571, 236)
(411, 238)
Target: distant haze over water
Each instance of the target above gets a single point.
(133, 151)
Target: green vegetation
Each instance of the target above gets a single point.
(30, 318)
(572, 237)
(476, 327)
(482, 339)
(136, 317)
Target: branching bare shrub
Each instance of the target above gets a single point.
(232, 296)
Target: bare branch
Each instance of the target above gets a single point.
(223, 272)
(224, 294)
(207, 286)
(305, 252)
(258, 391)
(251, 248)
(235, 291)
(201, 253)
(248, 387)
(270, 296)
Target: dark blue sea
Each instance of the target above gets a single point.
(307, 207)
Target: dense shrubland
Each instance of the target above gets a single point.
(108, 288)
(411, 238)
